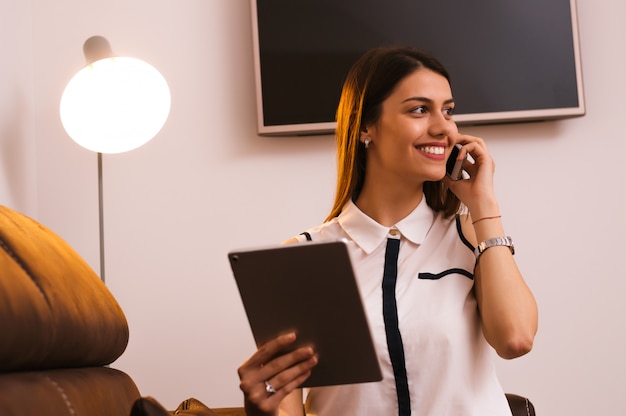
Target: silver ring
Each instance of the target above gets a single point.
(269, 388)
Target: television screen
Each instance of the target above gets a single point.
(509, 60)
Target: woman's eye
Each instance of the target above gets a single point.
(449, 111)
(419, 110)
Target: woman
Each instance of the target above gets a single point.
(436, 322)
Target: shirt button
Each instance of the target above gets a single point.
(393, 232)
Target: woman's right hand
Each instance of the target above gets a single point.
(266, 378)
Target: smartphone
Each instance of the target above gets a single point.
(454, 168)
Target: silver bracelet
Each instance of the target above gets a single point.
(494, 242)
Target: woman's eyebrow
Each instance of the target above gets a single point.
(427, 100)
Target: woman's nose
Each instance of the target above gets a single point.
(441, 125)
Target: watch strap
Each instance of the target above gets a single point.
(494, 242)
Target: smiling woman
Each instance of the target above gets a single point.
(436, 309)
(390, 73)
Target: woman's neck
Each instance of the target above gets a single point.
(387, 205)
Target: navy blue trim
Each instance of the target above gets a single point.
(392, 330)
(461, 235)
(307, 235)
(437, 276)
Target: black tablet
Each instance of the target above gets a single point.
(309, 288)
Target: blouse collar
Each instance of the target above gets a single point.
(368, 234)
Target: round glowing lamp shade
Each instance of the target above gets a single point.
(115, 105)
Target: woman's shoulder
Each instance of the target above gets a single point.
(325, 231)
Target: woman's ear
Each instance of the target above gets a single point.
(364, 135)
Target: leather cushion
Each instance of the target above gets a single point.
(99, 391)
(55, 311)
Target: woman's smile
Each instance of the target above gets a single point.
(436, 151)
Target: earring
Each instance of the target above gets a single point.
(366, 142)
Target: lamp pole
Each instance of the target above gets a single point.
(101, 216)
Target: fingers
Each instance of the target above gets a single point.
(269, 375)
(270, 349)
(479, 168)
(290, 366)
(283, 383)
(476, 149)
(470, 167)
(471, 144)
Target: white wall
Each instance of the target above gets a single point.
(18, 187)
(207, 183)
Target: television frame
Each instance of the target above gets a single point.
(476, 118)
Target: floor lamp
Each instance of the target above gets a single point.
(113, 105)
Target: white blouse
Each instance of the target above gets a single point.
(449, 364)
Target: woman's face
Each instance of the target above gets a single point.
(410, 141)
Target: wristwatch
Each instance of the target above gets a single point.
(494, 242)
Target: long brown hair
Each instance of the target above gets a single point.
(369, 82)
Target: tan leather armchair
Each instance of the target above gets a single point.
(59, 326)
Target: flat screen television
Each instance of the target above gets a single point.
(509, 60)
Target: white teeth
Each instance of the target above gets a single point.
(435, 150)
